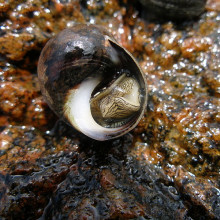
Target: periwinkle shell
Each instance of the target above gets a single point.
(87, 56)
(175, 9)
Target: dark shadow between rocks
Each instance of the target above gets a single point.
(90, 147)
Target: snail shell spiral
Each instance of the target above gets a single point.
(91, 82)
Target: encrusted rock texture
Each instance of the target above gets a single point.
(166, 168)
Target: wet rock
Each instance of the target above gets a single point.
(167, 168)
(31, 168)
(20, 98)
(202, 193)
(125, 190)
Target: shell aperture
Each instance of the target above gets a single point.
(119, 101)
(77, 110)
(92, 83)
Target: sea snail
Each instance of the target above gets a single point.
(175, 9)
(91, 82)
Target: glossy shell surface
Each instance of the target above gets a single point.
(175, 9)
(92, 83)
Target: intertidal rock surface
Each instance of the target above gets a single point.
(167, 168)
